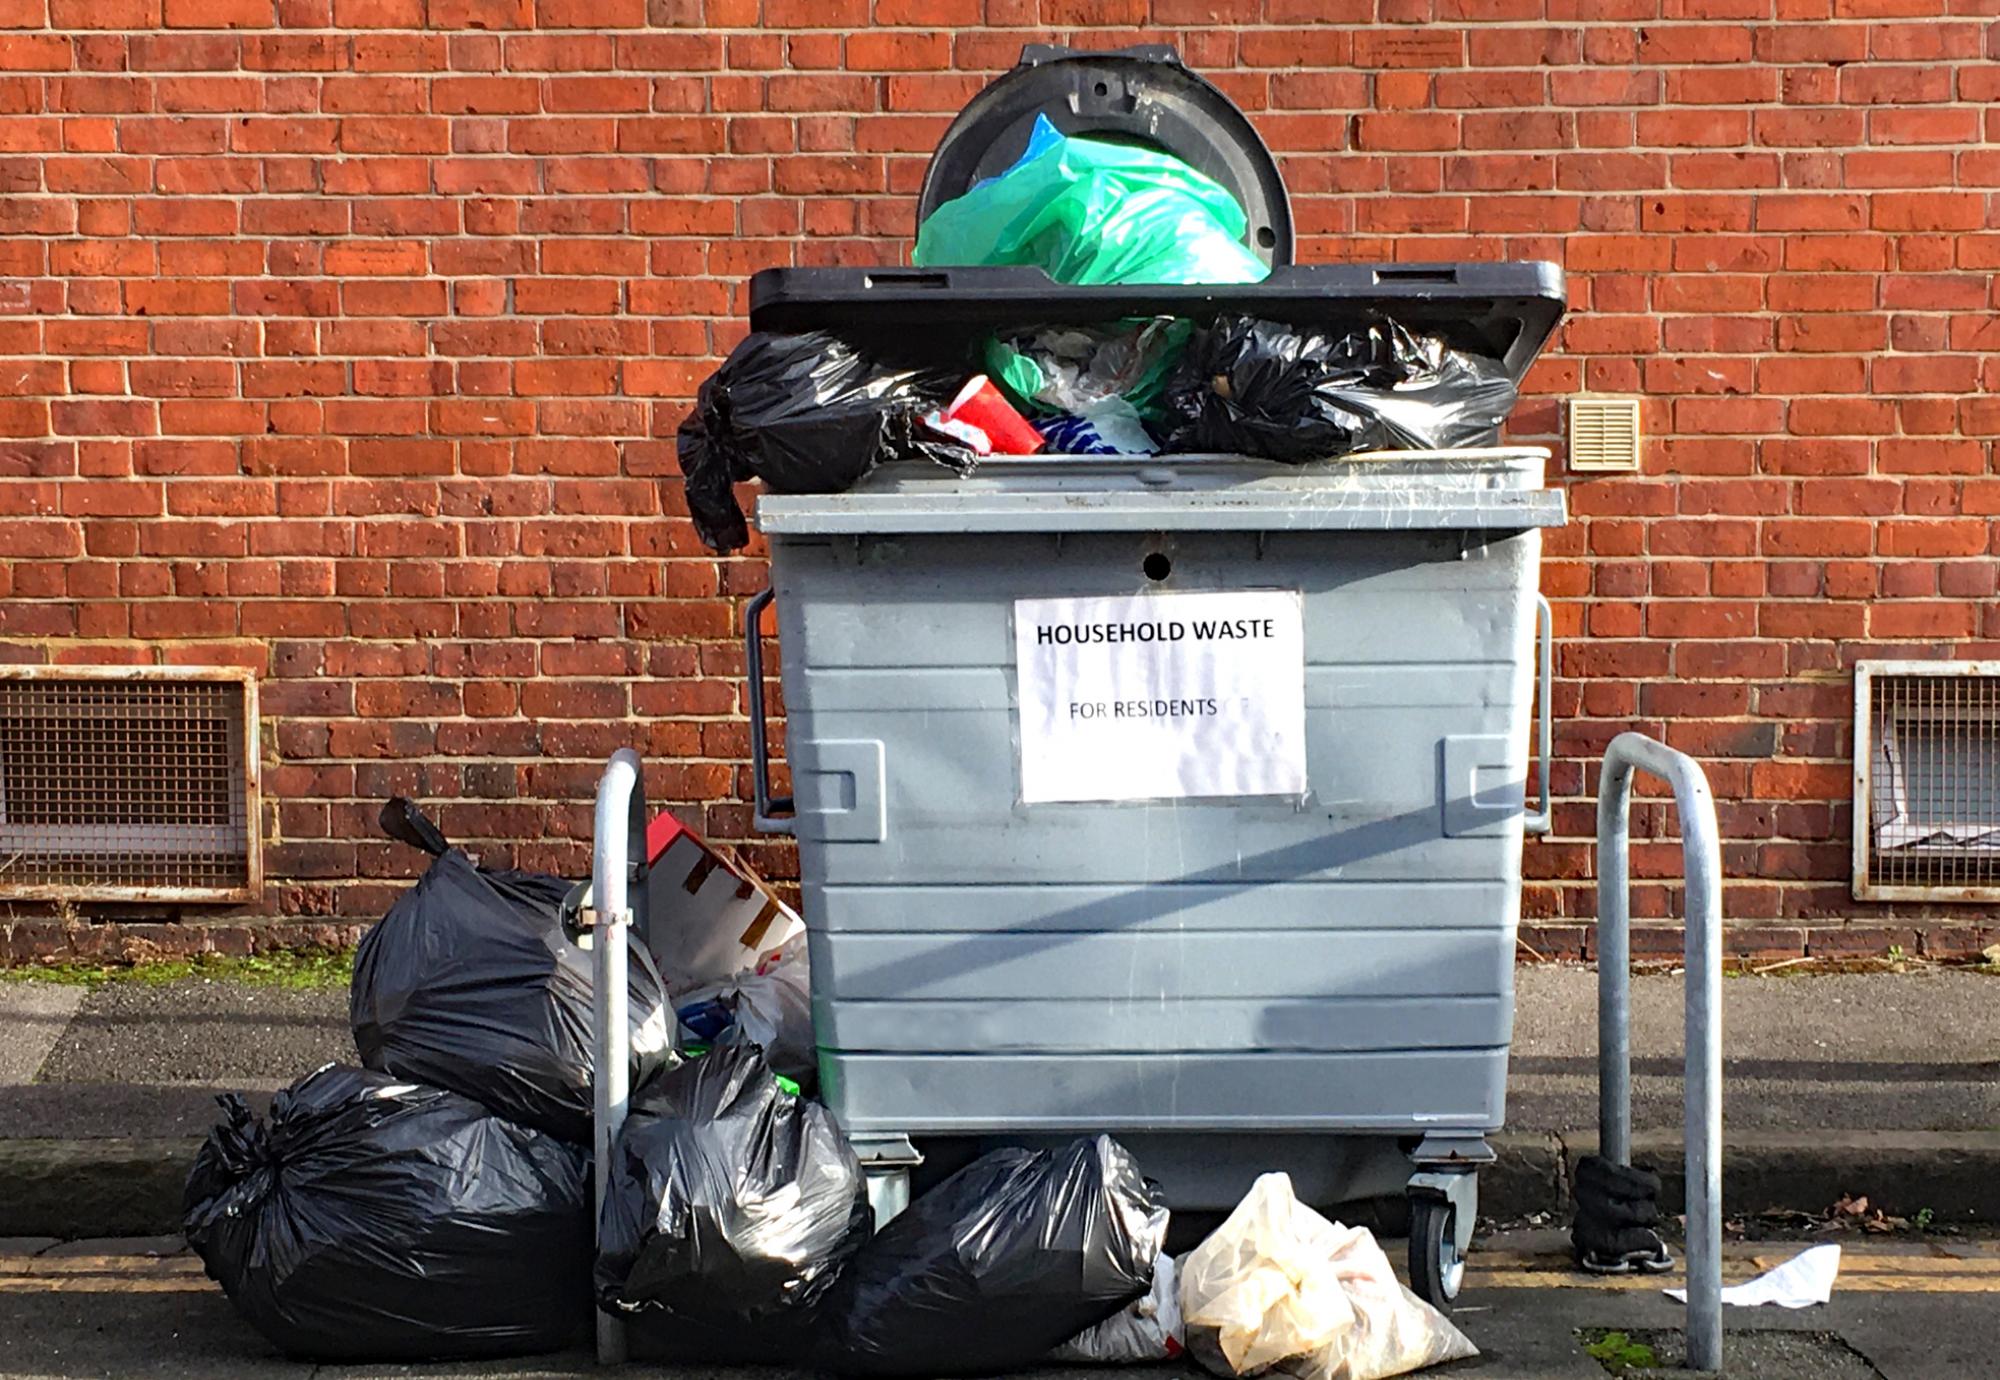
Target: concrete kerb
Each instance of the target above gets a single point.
(126, 1186)
(1955, 1174)
(132, 1186)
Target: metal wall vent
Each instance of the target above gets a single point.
(1604, 434)
(1927, 781)
(128, 783)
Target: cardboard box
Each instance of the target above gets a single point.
(709, 917)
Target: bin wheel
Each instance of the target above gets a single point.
(1436, 1268)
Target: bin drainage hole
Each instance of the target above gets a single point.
(1157, 566)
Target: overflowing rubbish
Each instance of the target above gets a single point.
(374, 1219)
(1077, 370)
(470, 984)
(1111, 428)
(806, 414)
(1617, 1216)
(1296, 394)
(1145, 1330)
(1010, 1257)
(1279, 1288)
(732, 954)
(982, 418)
(732, 1206)
(1091, 211)
(1801, 1282)
(708, 916)
(771, 1005)
(1091, 391)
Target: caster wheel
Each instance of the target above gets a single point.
(1436, 1268)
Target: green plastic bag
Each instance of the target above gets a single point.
(1094, 212)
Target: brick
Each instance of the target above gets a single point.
(1406, 132)
(219, 14)
(1927, 211)
(1692, 128)
(1842, 333)
(1954, 537)
(1873, 84)
(479, 14)
(369, 323)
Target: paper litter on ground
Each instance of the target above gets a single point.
(1801, 1282)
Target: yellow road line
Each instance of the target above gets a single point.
(1851, 1263)
(107, 1264)
(1476, 1278)
(104, 1284)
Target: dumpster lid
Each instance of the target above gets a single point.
(1489, 489)
(1141, 95)
(1503, 311)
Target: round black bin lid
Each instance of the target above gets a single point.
(1135, 95)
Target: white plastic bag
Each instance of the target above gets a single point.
(770, 1003)
(1145, 1330)
(1280, 1287)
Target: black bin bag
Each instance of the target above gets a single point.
(732, 1207)
(1295, 394)
(469, 983)
(1003, 1261)
(375, 1219)
(805, 413)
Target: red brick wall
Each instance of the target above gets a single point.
(347, 338)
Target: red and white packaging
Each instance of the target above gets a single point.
(708, 917)
(982, 418)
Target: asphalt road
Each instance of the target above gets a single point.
(1904, 1309)
(146, 1060)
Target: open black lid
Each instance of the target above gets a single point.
(1137, 95)
(1504, 311)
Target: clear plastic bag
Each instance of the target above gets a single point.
(1076, 368)
(771, 1004)
(1279, 1287)
(1089, 211)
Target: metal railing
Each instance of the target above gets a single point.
(1701, 848)
(620, 823)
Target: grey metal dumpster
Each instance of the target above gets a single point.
(1320, 983)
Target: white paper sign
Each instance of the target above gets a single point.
(1161, 696)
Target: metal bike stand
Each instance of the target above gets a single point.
(619, 802)
(1701, 849)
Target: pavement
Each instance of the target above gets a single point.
(1903, 1309)
(1885, 1084)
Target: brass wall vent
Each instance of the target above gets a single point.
(129, 783)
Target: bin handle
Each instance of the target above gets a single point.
(772, 814)
(1543, 820)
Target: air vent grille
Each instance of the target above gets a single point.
(1604, 434)
(128, 783)
(1927, 781)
